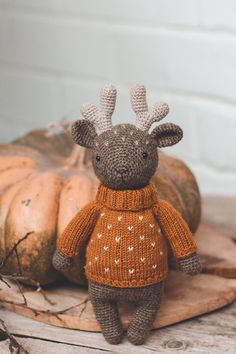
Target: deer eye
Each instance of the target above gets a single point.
(98, 158)
(145, 155)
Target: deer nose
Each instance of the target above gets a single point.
(122, 170)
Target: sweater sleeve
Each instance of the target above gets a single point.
(78, 230)
(175, 229)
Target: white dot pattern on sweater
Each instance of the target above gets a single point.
(134, 248)
(151, 224)
(137, 267)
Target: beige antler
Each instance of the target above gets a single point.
(101, 118)
(145, 118)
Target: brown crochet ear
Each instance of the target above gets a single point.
(167, 134)
(83, 133)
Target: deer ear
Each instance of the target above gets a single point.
(167, 134)
(83, 133)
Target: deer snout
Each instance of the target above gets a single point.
(122, 170)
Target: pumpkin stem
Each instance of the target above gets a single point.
(79, 158)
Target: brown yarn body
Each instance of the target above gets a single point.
(126, 257)
(127, 228)
(105, 301)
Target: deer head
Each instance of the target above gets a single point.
(124, 156)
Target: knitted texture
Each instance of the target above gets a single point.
(60, 261)
(190, 265)
(104, 300)
(176, 229)
(73, 238)
(133, 160)
(145, 119)
(101, 118)
(167, 134)
(127, 246)
(83, 133)
(126, 232)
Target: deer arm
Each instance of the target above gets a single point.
(175, 229)
(78, 230)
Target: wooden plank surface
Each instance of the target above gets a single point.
(185, 297)
(213, 333)
(217, 251)
(37, 346)
(219, 213)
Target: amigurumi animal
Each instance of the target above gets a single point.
(127, 229)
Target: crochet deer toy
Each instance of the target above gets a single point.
(127, 228)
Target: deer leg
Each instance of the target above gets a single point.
(105, 307)
(144, 315)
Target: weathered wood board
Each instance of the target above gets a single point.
(219, 213)
(218, 252)
(209, 334)
(185, 296)
(213, 333)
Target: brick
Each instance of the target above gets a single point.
(210, 135)
(55, 55)
(217, 14)
(12, 128)
(166, 12)
(217, 129)
(34, 107)
(29, 98)
(170, 60)
(34, 101)
(213, 181)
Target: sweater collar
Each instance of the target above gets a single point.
(136, 199)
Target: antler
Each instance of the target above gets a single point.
(101, 118)
(145, 118)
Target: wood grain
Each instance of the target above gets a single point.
(218, 252)
(185, 297)
(209, 334)
(213, 333)
(219, 213)
(37, 346)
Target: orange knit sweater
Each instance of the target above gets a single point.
(127, 233)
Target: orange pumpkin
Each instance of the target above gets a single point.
(45, 180)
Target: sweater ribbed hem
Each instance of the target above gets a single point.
(137, 199)
(186, 253)
(126, 283)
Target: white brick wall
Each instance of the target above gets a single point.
(56, 54)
